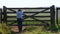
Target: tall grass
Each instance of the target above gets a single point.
(28, 30)
(4, 29)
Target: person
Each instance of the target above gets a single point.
(19, 19)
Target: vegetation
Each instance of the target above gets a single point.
(28, 29)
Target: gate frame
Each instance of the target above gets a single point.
(52, 13)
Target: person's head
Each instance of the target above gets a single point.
(19, 9)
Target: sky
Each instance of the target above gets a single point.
(29, 3)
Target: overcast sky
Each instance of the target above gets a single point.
(29, 3)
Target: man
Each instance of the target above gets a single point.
(19, 19)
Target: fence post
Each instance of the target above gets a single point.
(0, 15)
(4, 14)
(57, 16)
(52, 14)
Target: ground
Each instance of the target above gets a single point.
(38, 30)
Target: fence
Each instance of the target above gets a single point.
(24, 16)
(33, 13)
(7, 11)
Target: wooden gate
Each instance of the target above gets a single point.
(49, 11)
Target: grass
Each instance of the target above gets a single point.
(29, 29)
(4, 29)
(0, 27)
(38, 30)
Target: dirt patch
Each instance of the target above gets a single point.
(15, 28)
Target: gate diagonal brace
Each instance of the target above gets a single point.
(12, 10)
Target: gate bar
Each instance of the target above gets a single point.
(31, 8)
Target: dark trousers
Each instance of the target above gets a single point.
(19, 21)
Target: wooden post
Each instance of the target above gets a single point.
(5, 14)
(0, 15)
(53, 26)
(52, 10)
(57, 16)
